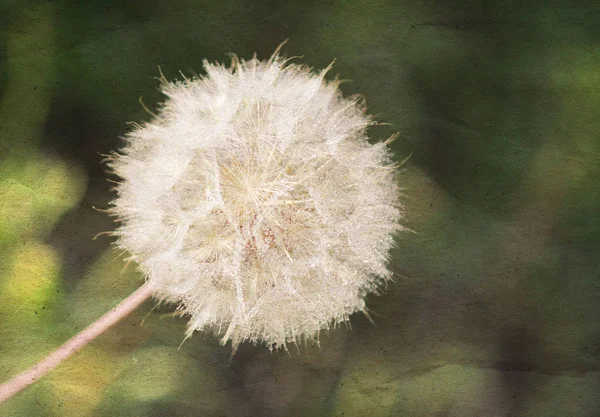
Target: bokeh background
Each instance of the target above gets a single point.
(495, 306)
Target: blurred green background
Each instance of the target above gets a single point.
(495, 305)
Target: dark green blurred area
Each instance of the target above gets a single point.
(495, 307)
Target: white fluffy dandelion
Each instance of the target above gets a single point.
(255, 201)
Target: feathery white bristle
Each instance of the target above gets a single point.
(255, 201)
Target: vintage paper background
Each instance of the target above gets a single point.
(495, 307)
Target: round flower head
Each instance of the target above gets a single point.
(255, 201)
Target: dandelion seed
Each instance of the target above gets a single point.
(255, 201)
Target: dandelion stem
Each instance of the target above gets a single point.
(23, 380)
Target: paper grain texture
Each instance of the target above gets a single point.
(494, 307)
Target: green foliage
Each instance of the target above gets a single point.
(495, 299)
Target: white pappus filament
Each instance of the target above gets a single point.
(255, 200)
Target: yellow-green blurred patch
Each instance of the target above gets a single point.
(37, 190)
(368, 388)
(78, 384)
(31, 284)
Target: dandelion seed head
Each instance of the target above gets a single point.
(255, 201)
